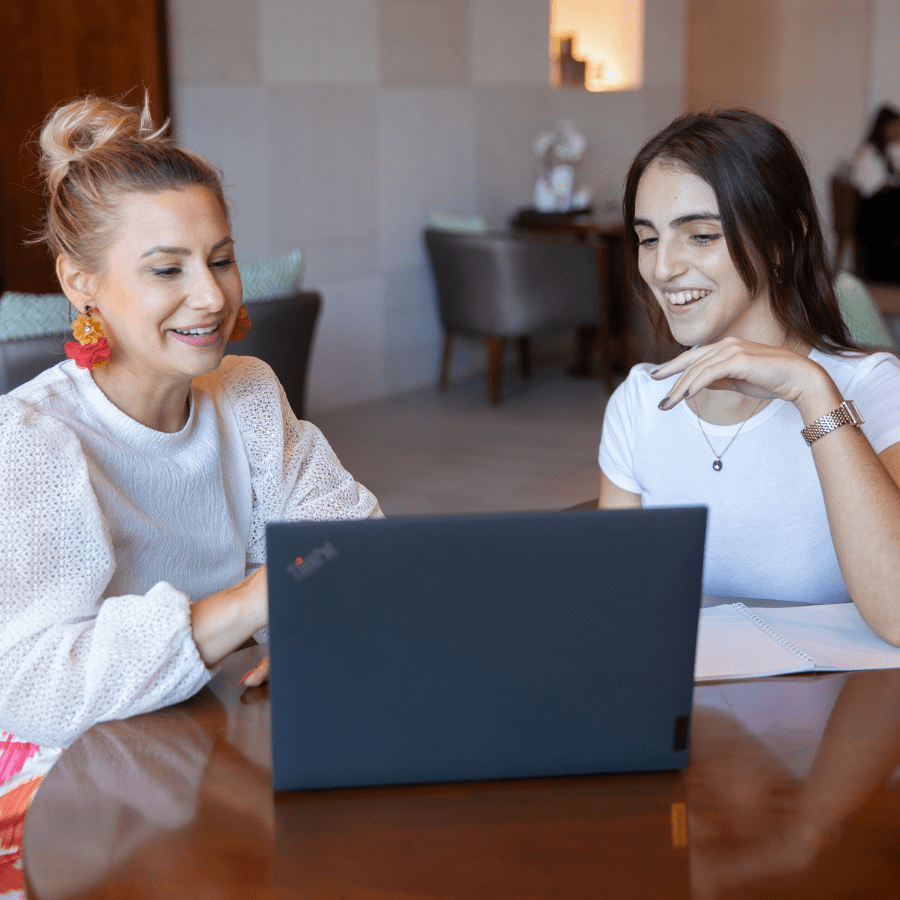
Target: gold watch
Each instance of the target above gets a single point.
(845, 414)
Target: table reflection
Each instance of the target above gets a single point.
(768, 804)
(791, 790)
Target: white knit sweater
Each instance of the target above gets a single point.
(109, 530)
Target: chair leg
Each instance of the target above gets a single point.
(495, 367)
(585, 347)
(445, 361)
(525, 357)
(606, 349)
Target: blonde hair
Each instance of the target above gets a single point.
(93, 152)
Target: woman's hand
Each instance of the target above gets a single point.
(756, 370)
(258, 675)
(222, 621)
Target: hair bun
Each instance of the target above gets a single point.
(84, 126)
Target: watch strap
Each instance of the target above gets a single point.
(845, 414)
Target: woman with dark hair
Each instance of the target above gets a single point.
(875, 173)
(725, 248)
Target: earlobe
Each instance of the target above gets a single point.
(78, 286)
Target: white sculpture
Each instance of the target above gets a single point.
(558, 151)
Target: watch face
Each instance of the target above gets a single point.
(855, 417)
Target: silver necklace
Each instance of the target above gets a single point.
(717, 464)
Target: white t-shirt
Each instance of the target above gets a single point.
(767, 533)
(109, 530)
(869, 172)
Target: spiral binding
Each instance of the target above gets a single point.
(776, 636)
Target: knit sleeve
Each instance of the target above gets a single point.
(296, 475)
(70, 657)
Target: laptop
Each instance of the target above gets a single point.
(456, 648)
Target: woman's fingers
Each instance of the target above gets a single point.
(258, 674)
(756, 370)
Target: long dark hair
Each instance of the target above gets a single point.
(768, 215)
(877, 135)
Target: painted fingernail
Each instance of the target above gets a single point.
(245, 676)
(663, 402)
(653, 372)
(686, 394)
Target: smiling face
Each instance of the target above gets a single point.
(685, 261)
(170, 290)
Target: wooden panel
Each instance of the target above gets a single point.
(56, 50)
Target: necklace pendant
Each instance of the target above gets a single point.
(717, 465)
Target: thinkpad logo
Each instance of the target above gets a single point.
(303, 566)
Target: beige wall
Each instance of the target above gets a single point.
(807, 64)
(340, 124)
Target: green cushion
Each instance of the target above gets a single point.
(449, 222)
(31, 315)
(270, 279)
(860, 313)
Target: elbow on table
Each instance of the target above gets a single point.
(885, 623)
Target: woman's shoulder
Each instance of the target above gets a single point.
(639, 385)
(234, 371)
(33, 437)
(856, 366)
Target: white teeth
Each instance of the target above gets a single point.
(679, 298)
(209, 330)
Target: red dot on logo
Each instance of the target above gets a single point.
(299, 560)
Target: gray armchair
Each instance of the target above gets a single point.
(21, 359)
(282, 335)
(499, 286)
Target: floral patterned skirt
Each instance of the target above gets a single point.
(22, 768)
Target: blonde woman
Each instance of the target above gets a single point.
(139, 474)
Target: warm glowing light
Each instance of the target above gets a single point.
(607, 35)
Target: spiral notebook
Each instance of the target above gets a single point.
(735, 641)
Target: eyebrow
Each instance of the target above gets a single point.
(182, 251)
(702, 216)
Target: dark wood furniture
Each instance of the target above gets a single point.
(609, 237)
(52, 51)
(499, 286)
(792, 792)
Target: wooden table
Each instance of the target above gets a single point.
(792, 792)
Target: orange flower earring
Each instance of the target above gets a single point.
(92, 349)
(241, 325)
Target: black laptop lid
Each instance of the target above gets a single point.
(470, 647)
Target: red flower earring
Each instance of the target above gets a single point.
(92, 349)
(242, 325)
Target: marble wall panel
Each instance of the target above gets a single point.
(508, 119)
(423, 42)
(510, 42)
(665, 37)
(426, 163)
(321, 153)
(348, 364)
(226, 123)
(412, 328)
(319, 41)
(214, 40)
(885, 82)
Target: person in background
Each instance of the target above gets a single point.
(770, 416)
(139, 474)
(875, 173)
